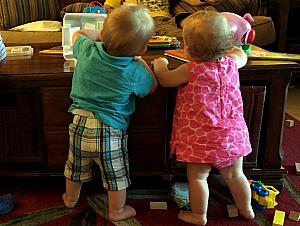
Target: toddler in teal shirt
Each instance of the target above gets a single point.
(107, 78)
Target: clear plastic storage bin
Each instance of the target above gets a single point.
(73, 22)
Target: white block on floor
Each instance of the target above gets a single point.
(289, 122)
(158, 205)
(295, 216)
(297, 165)
(232, 211)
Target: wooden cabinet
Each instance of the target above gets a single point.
(147, 131)
(253, 100)
(56, 119)
(21, 143)
(34, 119)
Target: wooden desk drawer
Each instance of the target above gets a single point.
(150, 111)
(57, 144)
(56, 101)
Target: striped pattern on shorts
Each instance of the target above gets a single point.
(93, 141)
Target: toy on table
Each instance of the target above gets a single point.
(243, 34)
(73, 22)
(163, 42)
(263, 196)
(94, 7)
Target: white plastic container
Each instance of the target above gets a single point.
(19, 51)
(73, 22)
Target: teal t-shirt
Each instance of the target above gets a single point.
(107, 85)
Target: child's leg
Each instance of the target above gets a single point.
(117, 208)
(72, 193)
(198, 193)
(239, 187)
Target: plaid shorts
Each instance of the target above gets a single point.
(93, 141)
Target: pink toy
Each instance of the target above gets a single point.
(241, 28)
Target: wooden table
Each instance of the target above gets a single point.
(34, 98)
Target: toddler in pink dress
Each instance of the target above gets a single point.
(209, 129)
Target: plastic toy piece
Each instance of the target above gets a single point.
(232, 211)
(278, 218)
(19, 51)
(163, 42)
(263, 196)
(247, 48)
(289, 122)
(73, 22)
(158, 205)
(295, 216)
(7, 203)
(297, 165)
(95, 7)
(241, 28)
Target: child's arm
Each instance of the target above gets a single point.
(155, 84)
(238, 55)
(91, 34)
(170, 78)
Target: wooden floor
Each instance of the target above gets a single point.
(293, 101)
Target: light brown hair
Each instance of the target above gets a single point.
(127, 30)
(207, 35)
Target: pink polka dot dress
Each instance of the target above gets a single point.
(208, 123)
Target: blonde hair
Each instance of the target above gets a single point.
(127, 30)
(207, 35)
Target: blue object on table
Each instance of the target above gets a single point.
(95, 7)
(7, 203)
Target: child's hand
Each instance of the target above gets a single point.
(160, 60)
(238, 55)
(160, 64)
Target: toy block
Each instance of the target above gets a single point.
(263, 195)
(295, 216)
(232, 211)
(289, 122)
(297, 165)
(158, 205)
(278, 218)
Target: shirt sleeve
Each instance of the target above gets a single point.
(143, 81)
(81, 43)
(113, 3)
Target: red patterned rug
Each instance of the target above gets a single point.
(291, 146)
(38, 200)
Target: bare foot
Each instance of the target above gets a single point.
(248, 214)
(121, 214)
(69, 203)
(190, 217)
